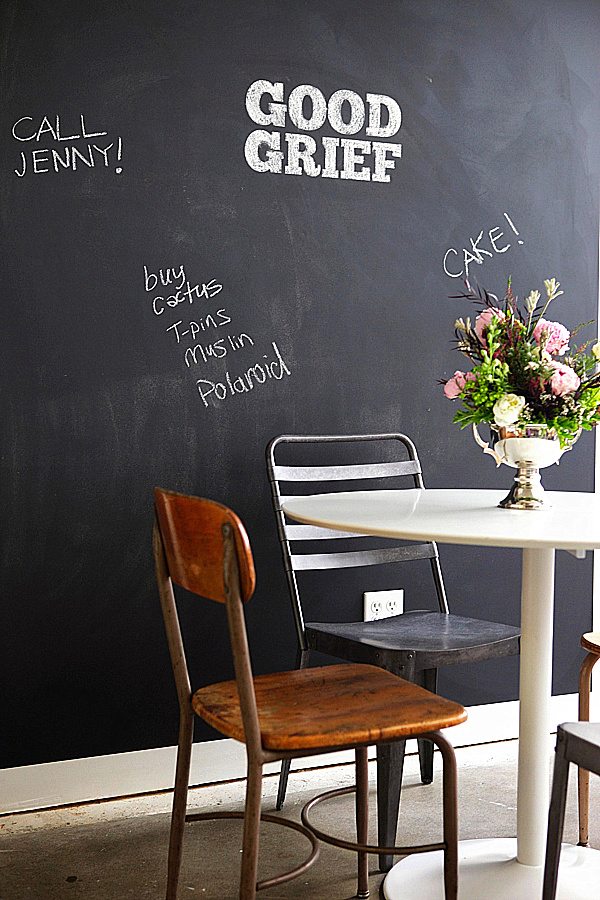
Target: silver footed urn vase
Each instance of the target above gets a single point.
(527, 448)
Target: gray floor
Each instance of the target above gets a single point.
(118, 849)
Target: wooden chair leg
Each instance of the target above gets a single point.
(583, 776)
(450, 803)
(556, 819)
(362, 819)
(251, 831)
(182, 777)
(302, 660)
(390, 764)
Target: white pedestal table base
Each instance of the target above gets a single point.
(488, 870)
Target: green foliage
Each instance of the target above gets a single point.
(515, 358)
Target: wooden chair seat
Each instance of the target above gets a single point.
(329, 706)
(591, 642)
(436, 639)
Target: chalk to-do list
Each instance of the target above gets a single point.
(198, 322)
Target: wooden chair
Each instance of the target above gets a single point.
(202, 546)
(591, 643)
(413, 644)
(579, 743)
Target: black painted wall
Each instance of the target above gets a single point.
(123, 130)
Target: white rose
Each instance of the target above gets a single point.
(508, 409)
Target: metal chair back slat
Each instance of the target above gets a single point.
(346, 473)
(314, 533)
(351, 559)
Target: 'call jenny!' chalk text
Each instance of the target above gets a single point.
(60, 155)
(202, 338)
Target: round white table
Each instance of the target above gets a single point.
(497, 868)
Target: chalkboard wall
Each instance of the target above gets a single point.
(301, 185)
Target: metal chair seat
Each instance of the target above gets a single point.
(433, 639)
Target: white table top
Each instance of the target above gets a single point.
(456, 517)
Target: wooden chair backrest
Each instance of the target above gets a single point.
(191, 530)
(203, 547)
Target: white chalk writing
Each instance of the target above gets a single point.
(40, 160)
(456, 263)
(243, 382)
(328, 157)
(207, 338)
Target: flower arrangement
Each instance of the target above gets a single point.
(524, 371)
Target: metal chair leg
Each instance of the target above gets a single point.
(362, 819)
(583, 776)
(182, 777)
(428, 680)
(556, 819)
(302, 660)
(390, 764)
(284, 774)
(249, 869)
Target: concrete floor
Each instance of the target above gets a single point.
(116, 850)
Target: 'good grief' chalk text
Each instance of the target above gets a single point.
(345, 113)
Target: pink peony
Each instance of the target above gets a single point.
(564, 379)
(454, 385)
(483, 321)
(556, 336)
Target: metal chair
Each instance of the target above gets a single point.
(413, 644)
(591, 643)
(579, 743)
(202, 546)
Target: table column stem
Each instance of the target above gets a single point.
(535, 690)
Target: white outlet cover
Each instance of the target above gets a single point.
(382, 604)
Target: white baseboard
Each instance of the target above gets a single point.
(147, 771)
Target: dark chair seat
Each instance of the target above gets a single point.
(436, 639)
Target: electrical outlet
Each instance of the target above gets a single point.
(382, 604)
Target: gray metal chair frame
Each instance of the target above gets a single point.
(413, 644)
(579, 743)
(222, 566)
